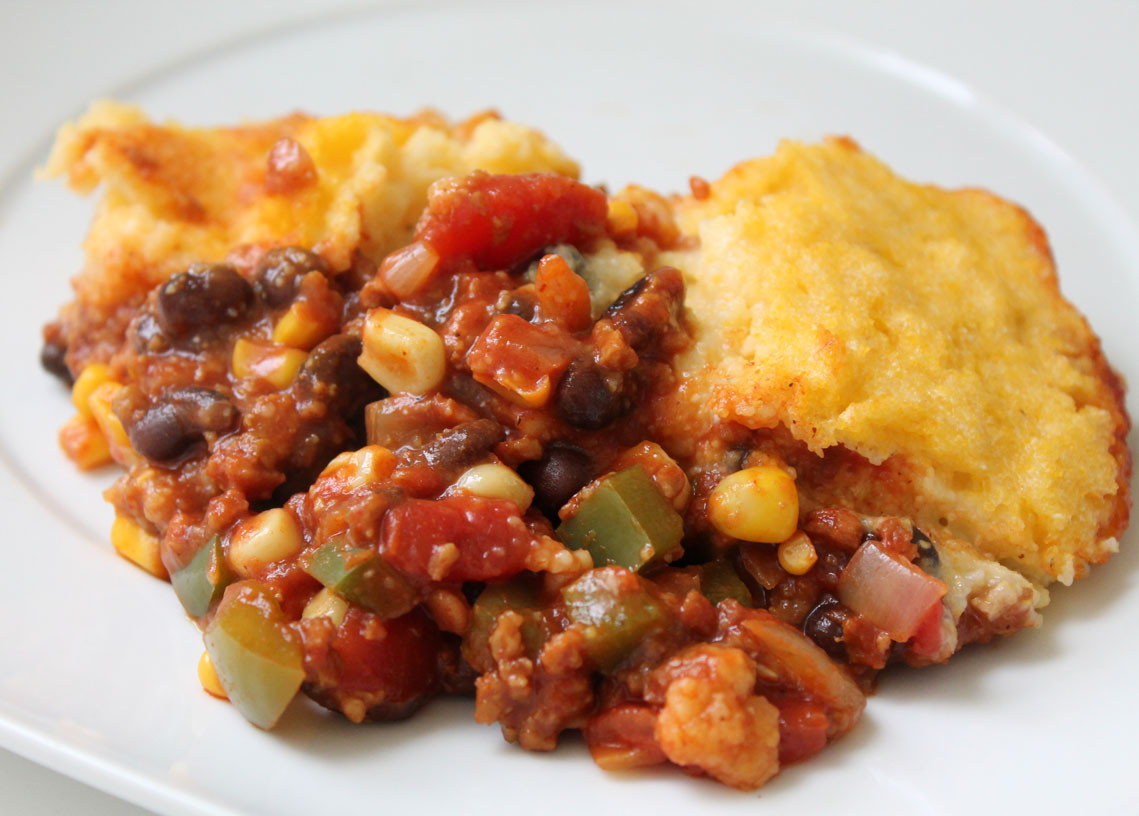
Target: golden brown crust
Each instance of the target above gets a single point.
(174, 195)
(913, 340)
(914, 345)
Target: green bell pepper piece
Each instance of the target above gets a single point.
(258, 659)
(200, 584)
(517, 595)
(617, 610)
(625, 521)
(720, 581)
(361, 576)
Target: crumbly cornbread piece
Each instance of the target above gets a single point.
(174, 195)
(921, 329)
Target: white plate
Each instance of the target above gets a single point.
(97, 667)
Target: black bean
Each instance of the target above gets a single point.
(626, 297)
(355, 277)
(203, 409)
(159, 434)
(463, 445)
(757, 590)
(332, 375)
(53, 358)
(171, 428)
(590, 397)
(147, 335)
(278, 273)
(383, 711)
(823, 625)
(522, 302)
(562, 471)
(928, 557)
(309, 452)
(202, 296)
(647, 309)
(467, 390)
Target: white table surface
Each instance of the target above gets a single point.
(1015, 52)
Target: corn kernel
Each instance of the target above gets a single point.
(301, 327)
(326, 604)
(277, 365)
(136, 544)
(208, 677)
(99, 403)
(262, 540)
(797, 554)
(84, 443)
(88, 380)
(755, 504)
(402, 354)
(355, 469)
(495, 481)
(622, 218)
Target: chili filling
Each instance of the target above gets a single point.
(443, 476)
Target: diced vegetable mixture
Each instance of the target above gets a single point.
(450, 475)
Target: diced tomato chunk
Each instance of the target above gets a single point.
(519, 360)
(501, 220)
(396, 657)
(802, 730)
(562, 294)
(623, 737)
(459, 538)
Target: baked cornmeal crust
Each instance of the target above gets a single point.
(174, 195)
(915, 340)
